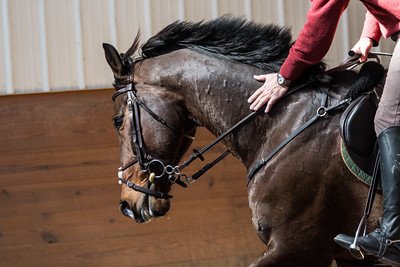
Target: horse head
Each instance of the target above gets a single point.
(155, 130)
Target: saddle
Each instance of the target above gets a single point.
(359, 148)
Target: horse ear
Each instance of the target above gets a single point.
(113, 59)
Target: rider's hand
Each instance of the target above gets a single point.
(269, 92)
(362, 48)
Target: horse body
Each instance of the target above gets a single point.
(285, 196)
(301, 199)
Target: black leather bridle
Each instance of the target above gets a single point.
(154, 167)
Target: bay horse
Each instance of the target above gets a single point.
(201, 74)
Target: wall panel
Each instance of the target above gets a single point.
(3, 43)
(95, 19)
(164, 12)
(356, 20)
(340, 46)
(237, 7)
(295, 14)
(130, 17)
(25, 43)
(62, 45)
(201, 10)
(268, 11)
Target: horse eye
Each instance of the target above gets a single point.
(118, 120)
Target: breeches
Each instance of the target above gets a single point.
(388, 113)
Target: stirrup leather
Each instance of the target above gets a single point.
(355, 250)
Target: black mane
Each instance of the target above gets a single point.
(231, 38)
(227, 37)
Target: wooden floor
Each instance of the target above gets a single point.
(59, 196)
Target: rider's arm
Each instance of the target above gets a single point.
(369, 37)
(310, 47)
(315, 38)
(371, 28)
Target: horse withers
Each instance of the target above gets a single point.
(193, 74)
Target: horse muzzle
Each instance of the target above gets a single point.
(150, 209)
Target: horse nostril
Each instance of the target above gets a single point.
(126, 209)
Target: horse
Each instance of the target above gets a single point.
(193, 75)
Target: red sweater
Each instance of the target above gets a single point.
(314, 40)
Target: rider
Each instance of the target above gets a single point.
(312, 44)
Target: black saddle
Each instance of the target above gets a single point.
(359, 147)
(358, 133)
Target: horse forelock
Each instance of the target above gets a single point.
(129, 53)
(227, 37)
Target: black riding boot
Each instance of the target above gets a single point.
(384, 242)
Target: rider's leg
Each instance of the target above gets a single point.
(385, 241)
(388, 113)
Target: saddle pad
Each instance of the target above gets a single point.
(352, 166)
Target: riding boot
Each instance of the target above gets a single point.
(384, 242)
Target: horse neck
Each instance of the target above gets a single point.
(216, 92)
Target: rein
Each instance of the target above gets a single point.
(321, 112)
(351, 62)
(156, 168)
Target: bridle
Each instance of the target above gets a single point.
(158, 169)
(154, 167)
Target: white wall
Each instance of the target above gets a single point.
(55, 45)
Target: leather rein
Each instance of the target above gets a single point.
(157, 169)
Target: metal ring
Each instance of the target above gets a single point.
(169, 169)
(172, 178)
(321, 111)
(177, 171)
(152, 168)
(189, 180)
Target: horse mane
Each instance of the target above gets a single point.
(226, 37)
(230, 38)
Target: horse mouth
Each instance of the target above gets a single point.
(144, 214)
(141, 216)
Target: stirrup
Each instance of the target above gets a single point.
(354, 249)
